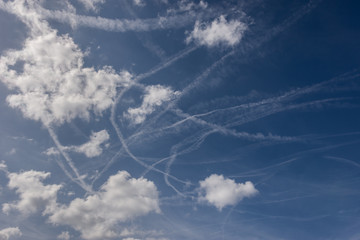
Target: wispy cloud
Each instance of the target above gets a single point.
(172, 21)
(92, 4)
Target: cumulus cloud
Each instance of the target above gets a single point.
(93, 147)
(220, 192)
(7, 233)
(34, 195)
(154, 96)
(51, 83)
(120, 199)
(220, 31)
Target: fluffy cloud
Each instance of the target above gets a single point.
(120, 199)
(93, 147)
(220, 31)
(220, 192)
(7, 233)
(154, 96)
(34, 195)
(51, 83)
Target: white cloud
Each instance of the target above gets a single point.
(154, 96)
(91, 4)
(120, 199)
(51, 151)
(34, 195)
(93, 147)
(64, 236)
(7, 233)
(186, 5)
(3, 166)
(220, 192)
(53, 85)
(139, 3)
(220, 31)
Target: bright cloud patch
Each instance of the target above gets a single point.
(120, 199)
(220, 31)
(7, 233)
(34, 195)
(139, 3)
(93, 147)
(51, 82)
(220, 192)
(155, 96)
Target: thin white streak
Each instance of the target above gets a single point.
(78, 178)
(120, 25)
(344, 160)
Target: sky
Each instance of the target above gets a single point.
(160, 119)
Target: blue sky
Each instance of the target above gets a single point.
(186, 119)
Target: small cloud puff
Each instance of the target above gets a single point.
(220, 31)
(139, 3)
(221, 192)
(7, 233)
(93, 147)
(155, 96)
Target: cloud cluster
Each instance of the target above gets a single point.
(34, 195)
(7, 233)
(220, 31)
(154, 96)
(51, 83)
(119, 200)
(221, 192)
